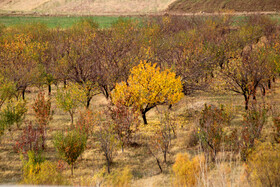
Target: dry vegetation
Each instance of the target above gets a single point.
(207, 90)
(86, 7)
(186, 6)
(144, 168)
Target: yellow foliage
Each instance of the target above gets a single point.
(263, 165)
(46, 173)
(118, 178)
(148, 86)
(187, 170)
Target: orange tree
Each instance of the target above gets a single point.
(148, 87)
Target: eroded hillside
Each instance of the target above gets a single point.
(92, 7)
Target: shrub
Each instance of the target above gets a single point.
(125, 122)
(253, 123)
(161, 140)
(187, 170)
(263, 166)
(29, 140)
(276, 123)
(70, 146)
(41, 172)
(193, 138)
(85, 122)
(107, 141)
(211, 128)
(14, 113)
(118, 178)
(70, 98)
(43, 114)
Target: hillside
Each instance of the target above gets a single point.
(192, 6)
(91, 7)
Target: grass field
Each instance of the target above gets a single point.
(66, 22)
(63, 22)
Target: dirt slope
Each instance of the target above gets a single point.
(86, 6)
(188, 6)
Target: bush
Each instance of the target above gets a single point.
(70, 98)
(263, 166)
(276, 123)
(70, 146)
(85, 122)
(118, 178)
(29, 140)
(253, 123)
(125, 121)
(107, 141)
(37, 172)
(43, 114)
(211, 128)
(14, 113)
(187, 171)
(193, 138)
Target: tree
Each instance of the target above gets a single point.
(7, 90)
(13, 113)
(125, 122)
(79, 61)
(43, 114)
(211, 129)
(70, 98)
(244, 74)
(254, 121)
(19, 60)
(148, 87)
(70, 146)
(107, 141)
(117, 51)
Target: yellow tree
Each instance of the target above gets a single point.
(147, 87)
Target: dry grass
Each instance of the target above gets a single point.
(95, 7)
(143, 166)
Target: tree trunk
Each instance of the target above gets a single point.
(263, 91)
(88, 101)
(23, 94)
(72, 118)
(158, 163)
(65, 83)
(269, 84)
(170, 106)
(246, 102)
(50, 89)
(108, 165)
(72, 169)
(164, 156)
(122, 147)
(144, 117)
(43, 138)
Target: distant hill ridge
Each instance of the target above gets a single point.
(85, 6)
(210, 6)
(130, 7)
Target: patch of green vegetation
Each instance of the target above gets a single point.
(63, 22)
